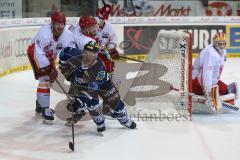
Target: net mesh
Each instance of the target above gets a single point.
(170, 65)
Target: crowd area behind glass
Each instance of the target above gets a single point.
(77, 8)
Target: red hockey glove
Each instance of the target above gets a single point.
(109, 64)
(53, 75)
(114, 53)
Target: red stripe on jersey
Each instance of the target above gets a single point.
(88, 35)
(41, 90)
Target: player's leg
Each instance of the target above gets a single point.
(233, 88)
(223, 88)
(214, 98)
(228, 92)
(83, 100)
(122, 116)
(43, 90)
(209, 103)
(95, 110)
(196, 87)
(43, 98)
(111, 97)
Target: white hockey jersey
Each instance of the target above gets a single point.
(81, 39)
(45, 43)
(107, 36)
(208, 67)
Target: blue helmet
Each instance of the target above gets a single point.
(68, 53)
(69, 61)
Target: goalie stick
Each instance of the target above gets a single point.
(71, 144)
(202, 99)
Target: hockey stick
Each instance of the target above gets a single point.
(131, 59)
(103, 2)
(71, 144)
(203, 99)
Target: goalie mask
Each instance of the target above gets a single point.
(219, 40)
(89, 54)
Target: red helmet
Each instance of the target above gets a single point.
(58, 17)
(104, 12)
(87, 21)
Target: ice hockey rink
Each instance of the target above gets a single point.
(23, 136)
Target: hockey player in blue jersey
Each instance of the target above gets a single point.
(89, 80)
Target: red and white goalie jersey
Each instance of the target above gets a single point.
(208, 67)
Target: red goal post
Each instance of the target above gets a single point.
(173, 49)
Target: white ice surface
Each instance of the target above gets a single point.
(24, 137)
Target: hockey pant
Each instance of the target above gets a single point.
(198, 90)
(39, 72)
(112, 100)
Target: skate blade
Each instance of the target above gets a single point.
(48, 122)
(109, 117)
(100, 134)
(68, 123)
(38, 114)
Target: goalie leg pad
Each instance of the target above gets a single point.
(228, 98)
(233, 88)
(223, 88)
(215, 98)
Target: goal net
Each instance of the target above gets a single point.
(169, 64)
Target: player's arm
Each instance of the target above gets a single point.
(113, 44)
(69, 64)
(39, 54)
(107, 60)
(45, 67)
(69, 40)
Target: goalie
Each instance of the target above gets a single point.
(207, 70)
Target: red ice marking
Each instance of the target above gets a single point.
(203, 142)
